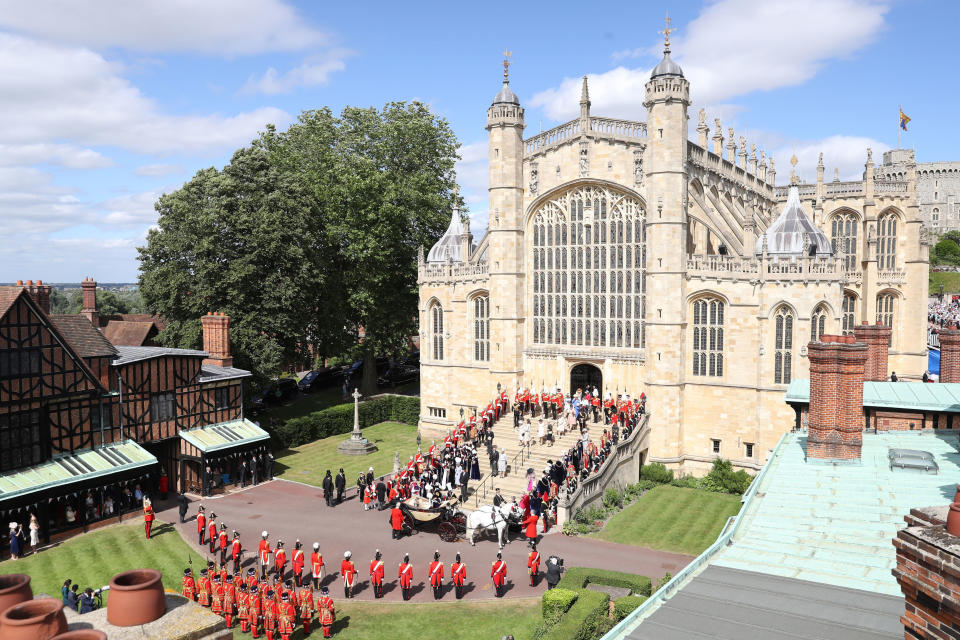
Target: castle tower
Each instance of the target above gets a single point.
(667, 101)
(505, 250)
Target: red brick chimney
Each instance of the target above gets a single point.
(950, 355)
(216, 339)
(39, 292)
(836, 398)
(877, 339)
(89, 309)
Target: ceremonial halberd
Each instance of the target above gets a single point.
(626, 256)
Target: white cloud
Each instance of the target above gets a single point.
(848, 154)
(157, 170)
(52, 92)
(64, 155)
(134, 209)
(732, 48)
(314, 71)
(216, 27)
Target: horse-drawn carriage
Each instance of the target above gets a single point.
(450, 520)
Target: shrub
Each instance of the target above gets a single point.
(622, 607)
(581, 621)
(687, 482)
(579, 577)
(582, 516)
(612, 499)
(656, 472)
(723, 479)
(596, 513)
(555, 603)
(339, 419)
(667, 577)
(571, 528)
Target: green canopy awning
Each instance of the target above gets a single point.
(224, 435)
(937, 397)
(75, 467)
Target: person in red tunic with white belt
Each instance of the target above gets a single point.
(499, 574)
(297, 563)
(376, 574)
(201, 523)
(263, 554)
(435, 573)
(405, 573)
(458, 574)
(223, 543)
(349, 572)
(212, 532)
(316, 565)
(279, 560)
(533, 563)
(236, 552)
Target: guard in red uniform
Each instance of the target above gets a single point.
(286, 617)
(217, 604)
(279, 560)
(223, 543)
(263, 554)
(255, 611)
(189, 586)
(269, 606)
(530, 528)
(533, 563)
(316, 565)
(229, 600)
(396, 520)
(243, 607)
(251, 577)
(201, 523)
(376, 575)
(435, 573)
(148, 515)
(326, 611)
(458, 573)
(297, 563)
(499, 574)
(203, 589)
(405, 574)
(305, 607)
(212, 532)
(349, 573)
(236, 552)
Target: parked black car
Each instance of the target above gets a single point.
(399, 374)
(320, 378)
(355, 370)
(413, 359)
(276, 392)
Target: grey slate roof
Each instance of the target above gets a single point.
(667, 67)
(135, 354)
(210, 372)
(785, 235)
(506, 95)
(730, 604)
(448, 246)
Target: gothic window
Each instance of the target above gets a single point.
(436, 330)
(481, 328)
(887, 242)
(614, 248)
(708, 337)
(849, 313)
(817, 323)
(843, 236)
(885, 309)
(783, 346)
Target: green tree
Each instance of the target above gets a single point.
(237, 241)
(946, 251)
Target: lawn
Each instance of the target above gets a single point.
(308, 463)
(949, 279)
(92, 559)
(672, 519)
(448, 620)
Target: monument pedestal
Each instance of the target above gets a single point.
(357, 445)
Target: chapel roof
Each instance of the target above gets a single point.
(448, 247)
(789, 233)
(667, 67)
(506, 95)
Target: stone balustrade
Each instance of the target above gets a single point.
(451, 271)
(551, 137)
(844, 188)
(619, 128)
(895, 276)
(605, 128)
(711, 162)
(772, 268)
(890, 186)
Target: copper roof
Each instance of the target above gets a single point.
(128, 333)
(86, 341)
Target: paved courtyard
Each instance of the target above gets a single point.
(289, 510)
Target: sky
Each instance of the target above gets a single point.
(107, 104)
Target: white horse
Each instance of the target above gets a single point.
(488, 517)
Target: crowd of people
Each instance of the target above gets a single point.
(943, 314)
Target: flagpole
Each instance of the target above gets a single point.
(899, 111)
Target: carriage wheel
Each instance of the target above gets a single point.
(447, 532)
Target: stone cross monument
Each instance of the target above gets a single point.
(356, 445)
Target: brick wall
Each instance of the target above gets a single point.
(216, 339)
(928, 571)
(949, 355)
(836, 398)
(877, 339)
(899, 421)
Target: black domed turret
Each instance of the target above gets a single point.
(667, 67)
(506, 95)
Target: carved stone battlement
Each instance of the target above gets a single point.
(736, 268)
(711, 162)
(599, 128)
(450, 272)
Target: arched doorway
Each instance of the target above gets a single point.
(584, 375)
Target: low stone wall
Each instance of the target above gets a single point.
(621, 468)
(184, 620)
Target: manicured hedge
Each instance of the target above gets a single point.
(622, 607)
(581, 621)
(339, 419)
(577, 578)
(555, 603)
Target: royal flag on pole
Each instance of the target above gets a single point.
(904, 119)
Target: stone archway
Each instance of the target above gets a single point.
(583, 375)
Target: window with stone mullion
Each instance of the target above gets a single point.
(783, 346)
